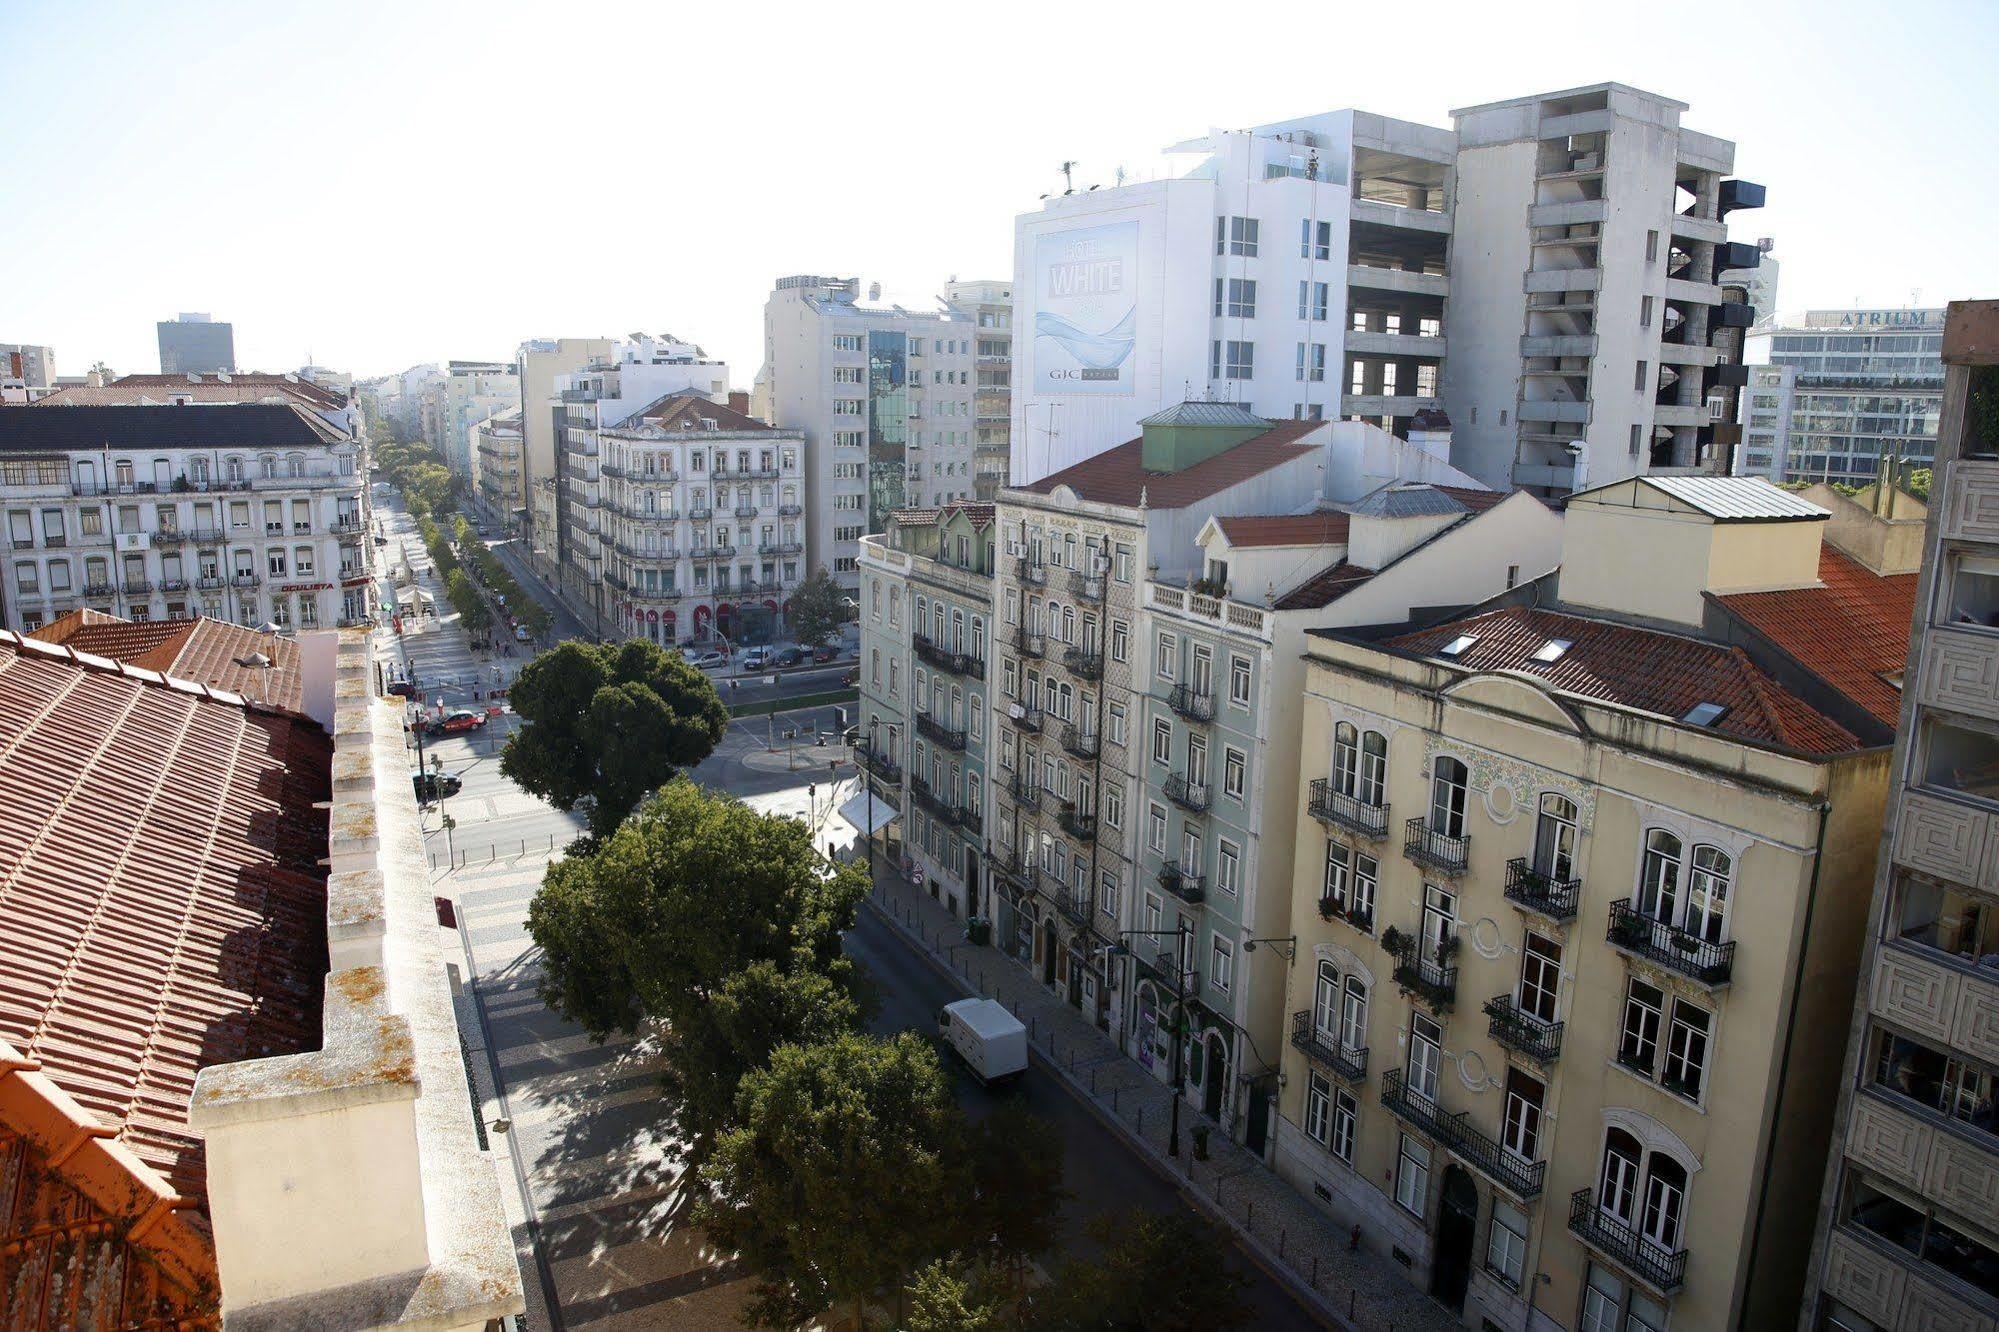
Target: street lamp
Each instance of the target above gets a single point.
(1178, 933)
(868, 785)
(1288, 942)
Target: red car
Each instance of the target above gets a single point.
(825, 652)
(402, 689)
(460, 720)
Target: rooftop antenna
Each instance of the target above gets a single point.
(1068, 178)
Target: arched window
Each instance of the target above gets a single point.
(1617, 1188)
(1346, 758)
(1665, 1201)
(1448, 786)
(1373, 767)
(197, 468)
(267, 466)
(1353, 1018)
(1555, 837)
(1707, 892)
(1659, 876)
(235, 469)
(1326, 1002)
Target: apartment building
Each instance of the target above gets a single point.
(633, 376)
(1296, 268)
(989, 305)
(886, 399)
(1577, 902)
(702, 522)
(195, 344)
(1842, 392)
(1908, 1230)
(536, 365)
(497, 478)
(336, 407)
(469, 392)
(26, 371)
(1593, 330)
(250, 512)
(926, 636)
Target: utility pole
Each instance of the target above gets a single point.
(1179, 935)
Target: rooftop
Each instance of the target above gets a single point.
(1852, 631)
(257, 665)
(1118, 475)
(200, 425)
(214, 387)
(1322, 589)
(1327, 528)
(688, 409)
(1726, 499)
(1665, 674)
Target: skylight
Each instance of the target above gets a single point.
(1458, 646)
(1704, 714)
(1553, 649)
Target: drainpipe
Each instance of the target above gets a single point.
(1784, 1065)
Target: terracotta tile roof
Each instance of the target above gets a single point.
(1299, 529)
(1118, 476)
(687, 411)
(211, 652)
(1322, 589)
(1478, 501)
(201, 388)
(162, 901)
(1850, 632)
(1655, 672)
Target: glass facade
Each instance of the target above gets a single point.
(888, 425)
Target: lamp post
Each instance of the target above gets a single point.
(868, 785)
(1178, 933)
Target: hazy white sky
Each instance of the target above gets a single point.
(376, 184)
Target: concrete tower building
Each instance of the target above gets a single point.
(195, 343)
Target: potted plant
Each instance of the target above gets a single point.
(1393, 939)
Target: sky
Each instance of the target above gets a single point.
(371, 185)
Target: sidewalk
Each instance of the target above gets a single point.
(1291, 1238)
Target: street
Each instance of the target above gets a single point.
(595, 1179)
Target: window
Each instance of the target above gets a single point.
(1236, 235)
(1707, 893)
(1232, 360)
(1686, 1049)
(1115, 723)
(1311, 362)
(1221, 963)
(1555, 837)
(1659, 876)
(1450, 782)
(1665, 1201)
(1345, 1112)
(1366, 873)
(1426, 1041)
(1313, 300)
(1315, 239)
(1169, 656)
(1162, 741)
(1326, 1002)
(1235, 770)
(1651, 247)
(1412, 1176)
(1319, 1109)
(1114, 806)
(1239, 681)
(1353, 1015)
(1506, 1244)
(1228, 868)
(1155, 828)
(1540, 977)
(1617, 1188)
(1235, 298)
(1639, 380)
(1645, 312)
(1638, 1045)
(1107, 895)
(1520, 1132)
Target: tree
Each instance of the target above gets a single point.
(1014, 1162)
(838, 1180)
(1157, 1272)
(950, 1297)
(609, 723)
(693, 889)
(818, 608)
(472, 610)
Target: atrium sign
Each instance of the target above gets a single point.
(1891, 319)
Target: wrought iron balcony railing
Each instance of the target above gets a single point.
(1183, 883)
(930, 728)
(1661, 1269)
(1020, 788)
(1346, 811)
(1089, 587)
(1025, 718)
(1083, 744)
(1323, 1047)
(1542, 894)
(1669, 946)
(1421, 975)
(1030, 644)
(879, 763)
(1439, 850)
(1191, 704)
(1453, 1130)
(1189, 795)
(947, 660)
(1085, 662)
(1078, 824)
(1032, 571)
(1517, 1029)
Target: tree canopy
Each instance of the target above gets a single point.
(1157, 1273)
(818, 608)
(609, 723)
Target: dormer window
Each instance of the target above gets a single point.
(1552, 650)
(1458, 646)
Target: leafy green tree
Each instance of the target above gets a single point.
(692, 890)
(818, 608)
(1917, 483)
(1157, 1273)
(608, 724)
(838, 1180)
(1014, 1163)
(472, 610)
(951, 1297)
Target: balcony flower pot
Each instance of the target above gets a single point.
(1393, 939)
(1630, 933)
(1329, 909)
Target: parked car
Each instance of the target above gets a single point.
(852, 677)
(709, 660)
(458, 719)
(790, 656)
(402, 689)
(521, 634)
(991, 1041)
(825, 652)
(432, 785)
(754, 659)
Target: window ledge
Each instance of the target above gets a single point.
(1627, 1071)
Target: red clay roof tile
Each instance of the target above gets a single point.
(1295, 529)
(1118, 475)
(1852, 632)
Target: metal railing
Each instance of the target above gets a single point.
(1085, 662)
(1454, 1131)
(1438, 850)
(1360, 917)
(932, 729)
(1081, 826)
(1542, 894)
(880, 764)
(1025, 718)
(1350, 812)
(1183, 883)
(1517, 1029)
(1347, 1064)
(1189, 795)
(1662, 1269)
(1191, 704)
(1089, 587)
(1433, 982)
(1083, 744)
(1712, 964)
(1020, 788)
(945, 659)
(1030, 644)
(1031, 572)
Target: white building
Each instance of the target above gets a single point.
(536, 365)
(26, 371)
(1297, 268)
(470, 392)
(989, 305)
(1841, 391)
(885, 398)
(1590, 329)
(251, 512)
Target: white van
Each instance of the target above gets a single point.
(990, 1040)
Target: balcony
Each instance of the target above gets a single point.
(167, 537)
(1025, 718)
(1188, 795)
(790, 510)
(208, 583)
(173, 585)
(944, 659)
(1428, 979)
(1021, 789)
(1016, 867)
(722, 552)
(1522, 1032)
(1454, 1132)
(1085, 663)
(746, 511)
(1086, 587)
(1664, 1271)
(1030, 644)
(1081, 826)
(931, 729)
(768, 548)
(1183, 884)
(1191, 704)
(1346, 811)
(1080, 743)
(1669, 946)
(1542, 894)
(137, 587)
(1345, 1063)
(245, 579)
(1439, 851)
(880, 764)
(941, 807)
(99, 591)
(700, 513)
(1072, 908)
(206, 536)
(1031, 572)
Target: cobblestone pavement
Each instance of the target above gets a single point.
(1290, 1236)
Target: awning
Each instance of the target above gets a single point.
(869, 813)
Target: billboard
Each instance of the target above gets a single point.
(1086, 310)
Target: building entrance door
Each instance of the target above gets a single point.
(1048, 953)
(1450, 1270)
